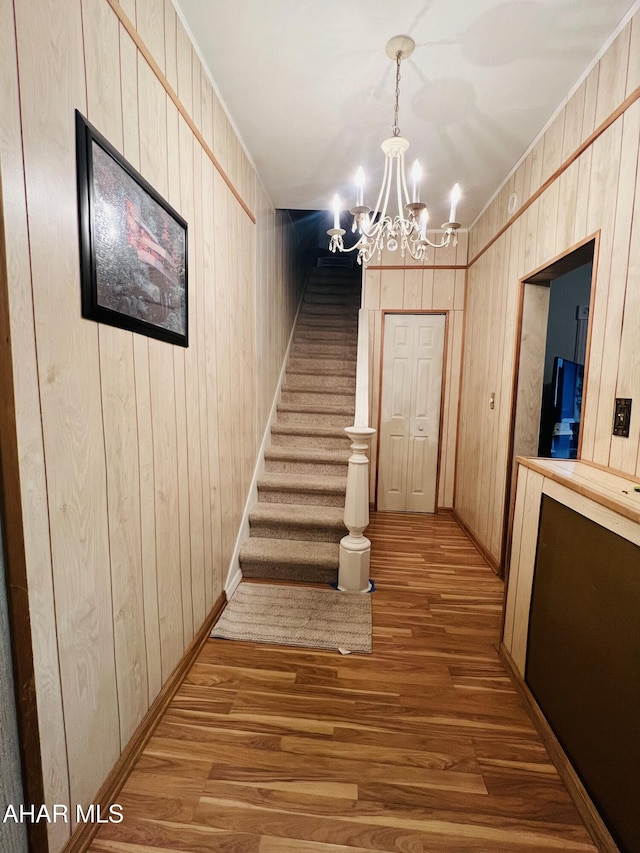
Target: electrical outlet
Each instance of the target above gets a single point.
(622, 417)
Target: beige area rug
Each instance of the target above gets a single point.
(297, 616)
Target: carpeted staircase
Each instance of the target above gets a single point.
(297, 523)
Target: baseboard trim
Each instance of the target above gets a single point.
(582, 801)
(495, 565)
(84, 834)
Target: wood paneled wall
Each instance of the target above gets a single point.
(580, 178)
(135, 456)
(439, 285)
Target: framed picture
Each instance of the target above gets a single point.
(133, 245)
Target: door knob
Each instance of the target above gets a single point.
(420, 428)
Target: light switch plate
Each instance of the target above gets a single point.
(622, 417)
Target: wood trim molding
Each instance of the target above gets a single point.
(606, 124)
(16, 572)
(416, 267)
(82, 838)
(611, 501)
(529, 278)
(465, 316)
(583, 803)
(131, 30)
(491, 560)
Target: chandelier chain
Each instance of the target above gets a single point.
(396, 129)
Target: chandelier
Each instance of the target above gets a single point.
(406, 230)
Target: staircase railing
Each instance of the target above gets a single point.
(355, 548)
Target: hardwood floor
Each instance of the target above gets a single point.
(423, 746)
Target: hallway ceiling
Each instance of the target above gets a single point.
(311, 89)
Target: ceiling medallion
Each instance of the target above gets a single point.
(407, 230)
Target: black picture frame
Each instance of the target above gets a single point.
(133, 245)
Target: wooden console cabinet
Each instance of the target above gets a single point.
(572, 632)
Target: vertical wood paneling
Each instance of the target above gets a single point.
(633, 71)
(427, 289)
(514, 568)
(150, 26)
(612, 80)
(444, 289)
(625, 267)
(129, 7)
(209, 366)
(117, 433)
(192, 381)
(222, 309)
(616, 291)
(50, 55)
(170, 45)
(184, 52)
(391, 288)
(182, 443)
(153, 164)
(104, 109)
(29, 432)
(597, 193)
(146, 481)
(372, 289)
(412, 294)
(603, 192)
(527, 557)
(573, 118)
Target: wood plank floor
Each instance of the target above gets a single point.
(423, 746)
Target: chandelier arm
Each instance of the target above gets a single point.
(374, 231)
(389, 180)
(399, 177)
(359, 246)
(376, 209)
(404, 182)
(446, 239)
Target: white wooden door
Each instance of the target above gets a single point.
(410, 412)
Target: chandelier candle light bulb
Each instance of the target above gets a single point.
(424, 218)
(455, 198)
(359, 182)
(336, 211)
(416, 174)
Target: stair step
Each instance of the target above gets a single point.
(292, 435)
(320, 367)
(328, 382)
(338, 416)
(292, 560)
(319, 397)
(306, 460)
(345, 324)
(342, 291)
(299, 522)
(274, 487)
(311, 334)
(316, 349)
(340, 310)
(324, 298)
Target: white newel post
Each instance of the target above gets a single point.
(355, 548)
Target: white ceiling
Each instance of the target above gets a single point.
(310, 87)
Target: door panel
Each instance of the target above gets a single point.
(410, 412)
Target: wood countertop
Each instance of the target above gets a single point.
(605, 486)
